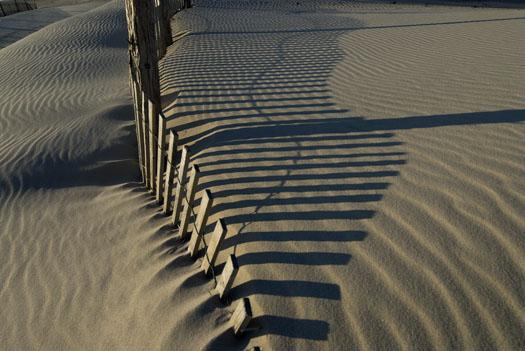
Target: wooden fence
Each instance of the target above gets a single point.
(9, 7)
(173, 183)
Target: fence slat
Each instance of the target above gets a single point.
(153, 129)
(145, 132)
(241, 316)
(180, 179)
(228, 275)
(200, 223)
(138, 124)
(214, 246)
(170, 169)
(190, 197)
(161, 157)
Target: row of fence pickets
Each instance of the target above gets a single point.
(185, 178)
(14, 6)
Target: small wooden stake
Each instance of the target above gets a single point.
(228, 276)
(170, 168)
(180, 179)
(161, 157)
(200, 223)
(214, 246)
(188, 206)
(241, 316)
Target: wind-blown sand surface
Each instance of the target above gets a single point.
(368, 159)
(20, 25)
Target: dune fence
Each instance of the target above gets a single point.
(10, 7)
(173, 182)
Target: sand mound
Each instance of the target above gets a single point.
(20, 25)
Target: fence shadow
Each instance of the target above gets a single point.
(256, 108)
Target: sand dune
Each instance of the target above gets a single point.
(368, 159)
(20, 25)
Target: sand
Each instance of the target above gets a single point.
(19, 25)
(369, 160)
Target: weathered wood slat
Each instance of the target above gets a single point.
(161, 158)
(153, 137)
(228, 275)
(170, 170)
(214, 246)
(180, 179)
(200, 223)
(188, 206)
(146, 134)
(138, 124)
(242, 316)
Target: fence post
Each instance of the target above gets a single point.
(153, 141)
(146, 134)
(228, 275)
(190, 197)
(170, 169)
(200, 223)
(180, 179)
(241, 316)
(214, 246)
(138, 123)
(161, 157)
(160, 27)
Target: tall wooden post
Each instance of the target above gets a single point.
(161, 157)
(144, 68)
(161, 27)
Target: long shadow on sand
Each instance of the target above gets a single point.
(256, 109)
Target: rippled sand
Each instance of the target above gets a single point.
(368, 159)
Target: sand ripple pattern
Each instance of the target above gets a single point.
(370, 160)
(72, 222)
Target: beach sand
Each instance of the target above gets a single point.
(369, 160)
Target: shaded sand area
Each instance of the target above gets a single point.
(368, 159)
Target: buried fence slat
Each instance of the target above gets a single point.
(161, 157)
(241, 316)
(145, 133)
(200, 223)
(188, 206)
(170, 169)
(180, 179)
(153, 129)
(228, 275)
(214, 246)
